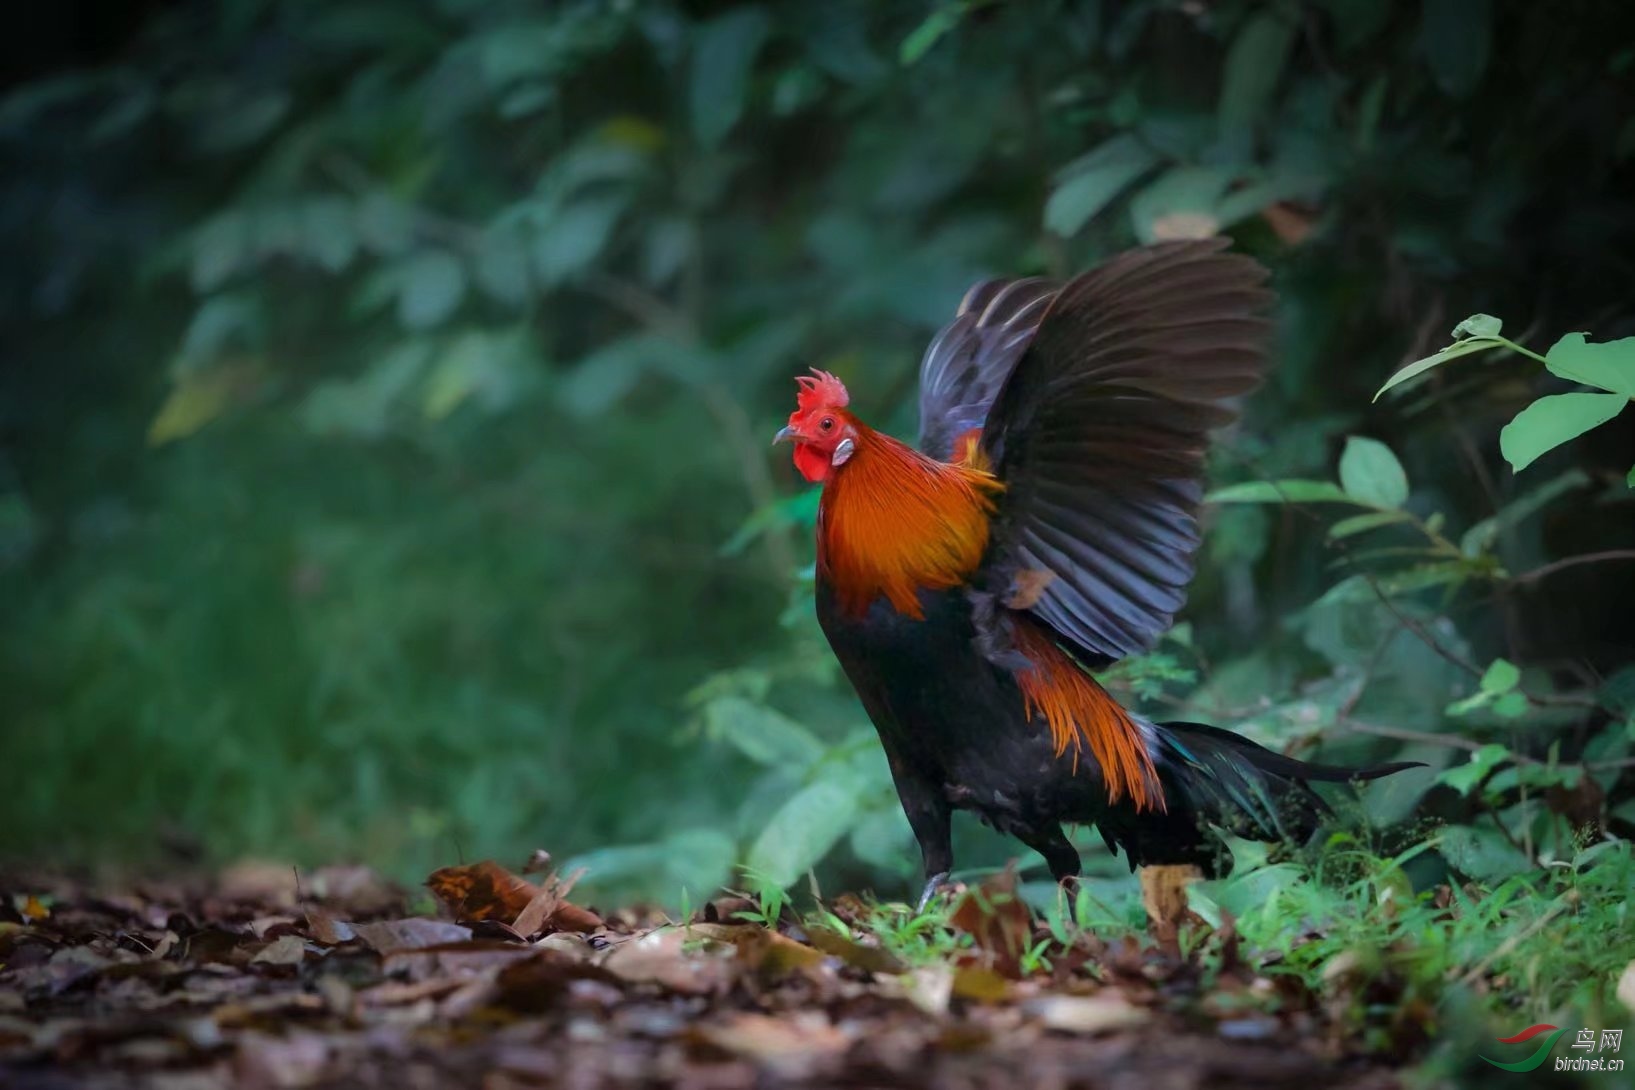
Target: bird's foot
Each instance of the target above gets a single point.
(935, 884)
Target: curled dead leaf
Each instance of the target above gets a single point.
(486, 892)
(481, 891)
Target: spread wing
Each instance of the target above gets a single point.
(971, 357)
(1099, 434)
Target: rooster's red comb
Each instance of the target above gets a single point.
(820, 389)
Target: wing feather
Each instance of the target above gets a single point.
(1099, 430)
(969, 358)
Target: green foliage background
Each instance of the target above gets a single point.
(385, 416)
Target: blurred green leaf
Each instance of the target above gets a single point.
(1456, 36)
(574, 237)
(1087, 184)
(431, 286)
(1292, 491)
(760, 733)
(1484, 326)
(1371, 474)
(1464, 777)
(1482, 534)
(1551, 421)
(1452, 352)
(20, 529)
(1482, 853)
(490, 368)
(799, 509)
(1254, 65)
(501, 266)
(1358, 524)
(1609, 365)
(1500, 677)
(723, 56)
(803, 831)
(362, 407)
(932, 29)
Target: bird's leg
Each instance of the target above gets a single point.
(928, 815)
(929, 890)
(1060, 855)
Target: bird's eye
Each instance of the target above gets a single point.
(827, 423)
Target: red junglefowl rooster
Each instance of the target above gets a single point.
(1045, 528)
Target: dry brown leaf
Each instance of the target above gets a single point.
(1001, 925)
(488, 893)
(1290, 224)
(288, 950)
(675, 957)
(550, 910)
(1175, 225)
(1164, 896)
(265, 1062)
(389, 936)
(929, 988)
(482, 891)
(355, 891)
(771, 954)
(327, 928)
(260, 881)
(457, 959)
(792, 1046)
(569, 917)
(860, 955)
(981, 984)
(1102, 1013)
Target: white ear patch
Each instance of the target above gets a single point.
(842, 452)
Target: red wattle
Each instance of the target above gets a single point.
(813, 464)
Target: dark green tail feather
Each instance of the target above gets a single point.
(1251, 791)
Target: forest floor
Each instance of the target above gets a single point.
(266, 977)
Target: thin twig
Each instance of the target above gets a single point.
(1418, 630)
(1572, 562)
(1469, 745)
(1449, 741)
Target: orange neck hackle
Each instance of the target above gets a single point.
(894, 522)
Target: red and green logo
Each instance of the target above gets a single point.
(1539, 1055)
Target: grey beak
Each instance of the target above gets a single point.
(784, 433)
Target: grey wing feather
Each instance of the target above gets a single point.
(1099, 434)
(970, 358)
